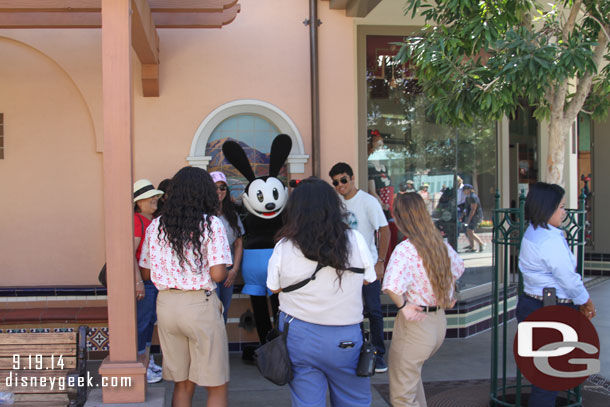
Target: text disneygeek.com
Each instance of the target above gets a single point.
(29, 371)
(60, 383)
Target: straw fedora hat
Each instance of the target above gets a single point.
(143, 189)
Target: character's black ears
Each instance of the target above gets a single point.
(236, 155)
(280, 148)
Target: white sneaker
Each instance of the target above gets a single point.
(153, 377)
(153, 366)
(381, 366)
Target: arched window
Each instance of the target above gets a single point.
(254, 124)
(255, 134)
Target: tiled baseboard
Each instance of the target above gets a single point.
(97, 336)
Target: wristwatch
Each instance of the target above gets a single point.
(380, 260)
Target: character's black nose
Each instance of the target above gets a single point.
(270, 206)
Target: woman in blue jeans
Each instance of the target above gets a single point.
(235, 230)
(545, 260)
(324, 336)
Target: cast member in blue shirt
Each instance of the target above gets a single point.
(545, 260)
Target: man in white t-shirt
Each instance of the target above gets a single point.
(366, 216)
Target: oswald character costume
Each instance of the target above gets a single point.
(264, 198)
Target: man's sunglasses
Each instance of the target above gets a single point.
(221, 187)
(343, 180)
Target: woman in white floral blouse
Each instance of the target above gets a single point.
(186, 250)
(419, 279)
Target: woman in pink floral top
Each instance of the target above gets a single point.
(187, 251)
(420, 280)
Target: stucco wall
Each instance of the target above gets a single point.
(52, 223)
(50, 212)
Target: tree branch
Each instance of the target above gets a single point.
(601, 25)
(486, 87)
(567, 29)
(584, 83)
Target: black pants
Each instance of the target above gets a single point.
(538, 397)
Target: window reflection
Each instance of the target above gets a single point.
(409, 152)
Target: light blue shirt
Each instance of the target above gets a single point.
(546, 260)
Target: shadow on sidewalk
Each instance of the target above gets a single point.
(475, 393)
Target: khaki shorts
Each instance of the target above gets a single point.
(193, 337)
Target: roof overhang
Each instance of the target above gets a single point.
(354, 8)
(147, 17)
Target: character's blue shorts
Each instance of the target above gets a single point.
(254, 269)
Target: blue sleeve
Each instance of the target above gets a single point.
(558, 259)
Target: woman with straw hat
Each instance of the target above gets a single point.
(145, 198)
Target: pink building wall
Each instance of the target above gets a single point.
(51, 220)
(51, 210)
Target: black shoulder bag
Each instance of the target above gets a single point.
(101, 277)
(367, 359)
(272, 358)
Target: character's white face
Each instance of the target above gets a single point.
(265, 199)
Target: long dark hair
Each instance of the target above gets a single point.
(314, 222)
(186, 212)
(413, 219)
(229, 211)
(163, 186)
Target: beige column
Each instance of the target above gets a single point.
(118, 205)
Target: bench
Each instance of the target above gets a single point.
(38, 368)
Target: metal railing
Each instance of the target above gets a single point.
(508, 228)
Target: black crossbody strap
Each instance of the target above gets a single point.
(304, 282)
(319, 267)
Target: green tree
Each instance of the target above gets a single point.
(482, 59)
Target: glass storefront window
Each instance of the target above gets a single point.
(585, 172)
(523, 151)
(408, 152)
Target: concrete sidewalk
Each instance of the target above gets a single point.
(458, 359)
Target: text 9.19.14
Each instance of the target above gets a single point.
(38, 362)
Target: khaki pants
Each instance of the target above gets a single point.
(412, 344)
